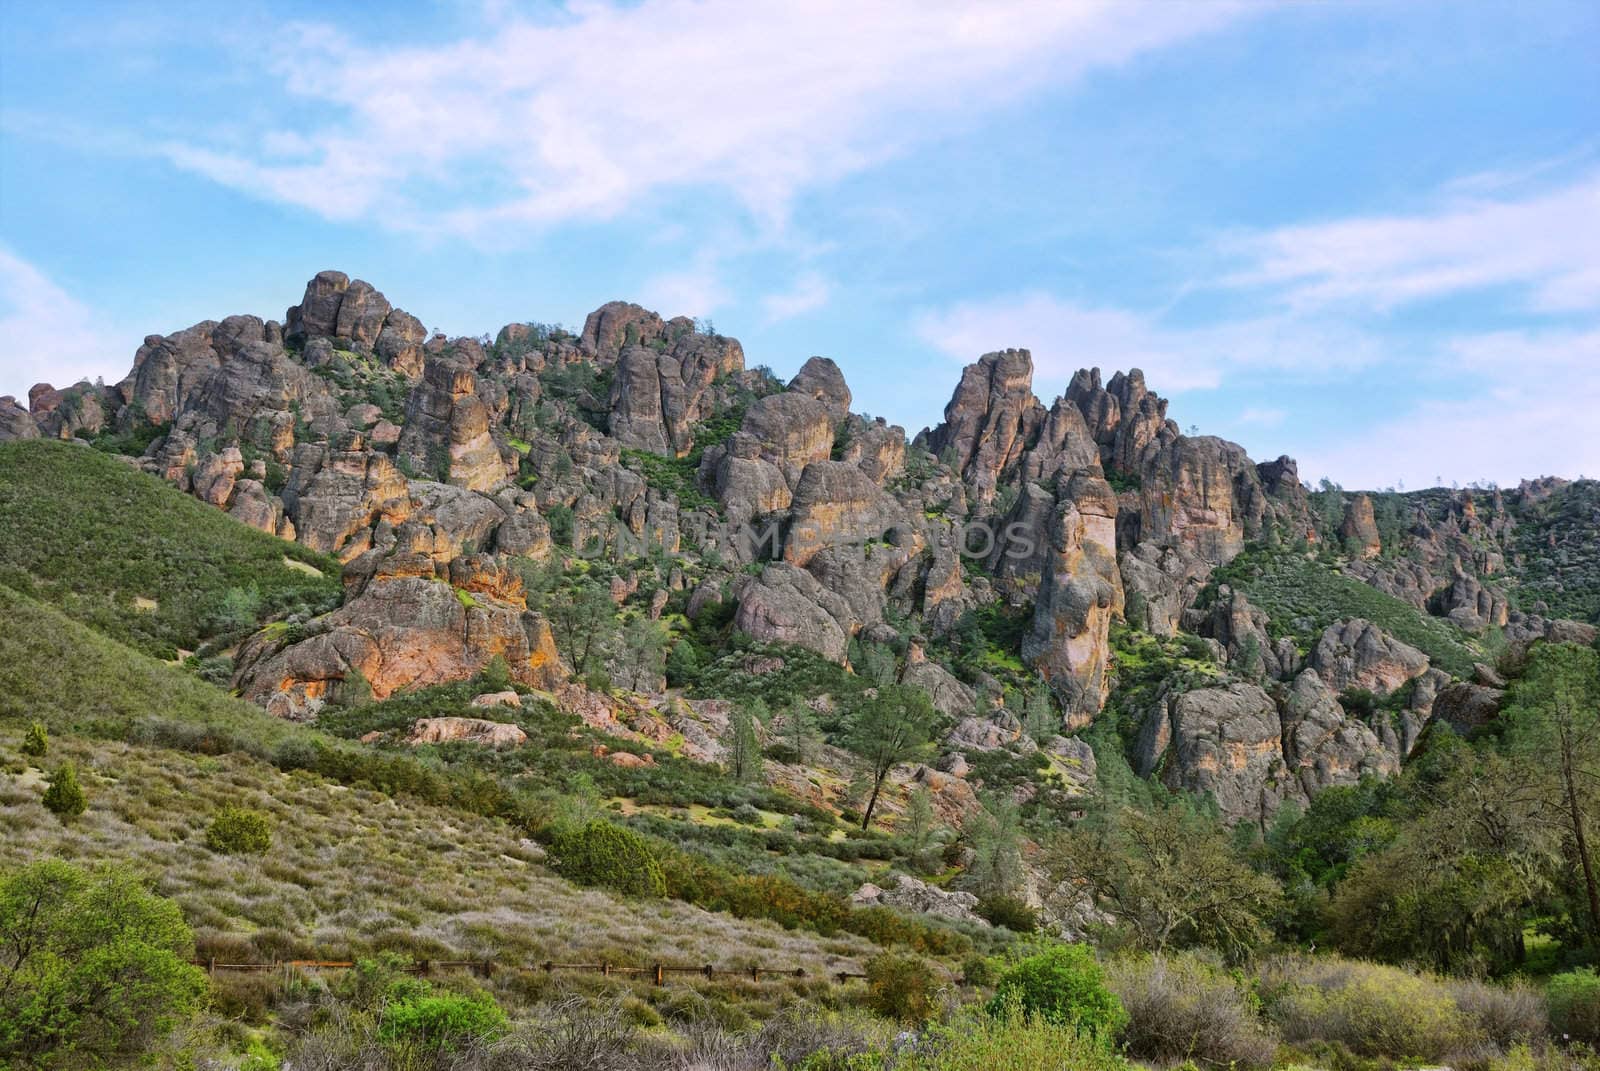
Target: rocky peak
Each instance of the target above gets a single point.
(821, 378)
(991, 420)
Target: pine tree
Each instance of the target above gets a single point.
(65, 797)
(800, 731)
(1038, 719)
(919, 818)
(37, 743)
(744, 749)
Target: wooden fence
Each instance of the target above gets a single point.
(658, 973)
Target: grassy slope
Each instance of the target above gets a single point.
(1303, 596)
(86, 532)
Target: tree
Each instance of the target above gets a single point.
(36, 744)
(896, 725)
(64, 797)
(644, 652)
(584, 625)
(800, 730)
(1038, 718)
(997, 849)
(1172, 879)
(744, 746)
(92, 966)
(1555, 721)
(920, 818)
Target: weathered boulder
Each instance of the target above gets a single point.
(1467, 708)
(835, 503)
(793, 429)
(746, 484)
(909, 894)
(447, 434)
(466, 730)
(821, 379)
(1355, 653)
(657, 397)
(1226, 742)
(785, 605)
(15, 421)
(1323, 746)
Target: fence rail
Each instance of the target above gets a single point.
(658, 973)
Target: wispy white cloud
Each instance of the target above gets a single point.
(694, 290)
(1528, 414)
(50, 336)
(1545, 245)
(1065, 335)
(1263, 417)
(586, 113)
(809, 293)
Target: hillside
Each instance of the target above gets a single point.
(126, 553)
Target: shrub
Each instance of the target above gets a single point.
(1062, 984)
(95, 967)
(1371, 1010)
(65, 797)
(1010, 912)
(609, 856)
(978, 971)
(1008, 1041)
(1504, 1015)
(1575, 1004)
(36, 744)
(442, 1020)
(1182, 1008)
(237, 831)
(897, 987)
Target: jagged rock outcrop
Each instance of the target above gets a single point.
(1359, 529)
(785, 604)
(447, 434)
(15, 421)
(836, 503)
(1080, 594)
(1358, 654)
(990, 420)
(1323, 746)
(658, 396)
(792, 429)
(1241, 630)
(411, 622)
(1225, 742)
(820, 378)
(909, 894)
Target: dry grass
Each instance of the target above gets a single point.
(352, 872)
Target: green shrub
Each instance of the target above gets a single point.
(898, 987)
(65, 797)
(1010, 912)
(36, 744)
(978, 971)
(95, 967)
(441, 1020)
(1061, 984)
(1372, 1010)
(237, 831)
(1011, 1041)
(1575, 1004)
(609, 856)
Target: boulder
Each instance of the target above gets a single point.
(821, 379)
(784, 605)
(908, 894)
(466, 730)
(835, 503)
(1359, 528)
(793, 429)
(1355, 653)
(1226, 742)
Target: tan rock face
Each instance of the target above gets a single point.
(991, 419)
(1358, 654)
(466, 730)
(1080, 594)
(836, 503)
(1359, 529)
(447, 430)
(792, 429)
(405, 628)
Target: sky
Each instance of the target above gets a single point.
(1364, 234)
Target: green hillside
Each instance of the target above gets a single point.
(1303, 596)
(139, 560)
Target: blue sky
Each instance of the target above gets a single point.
(1364, 234)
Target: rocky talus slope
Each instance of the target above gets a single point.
(429, 466)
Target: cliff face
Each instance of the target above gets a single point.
(429, 465)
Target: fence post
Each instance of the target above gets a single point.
(605, 969)
(548, 966)
(755, 974)
(211, 966)
(709, 970)
(659, 978)
(422, 968)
